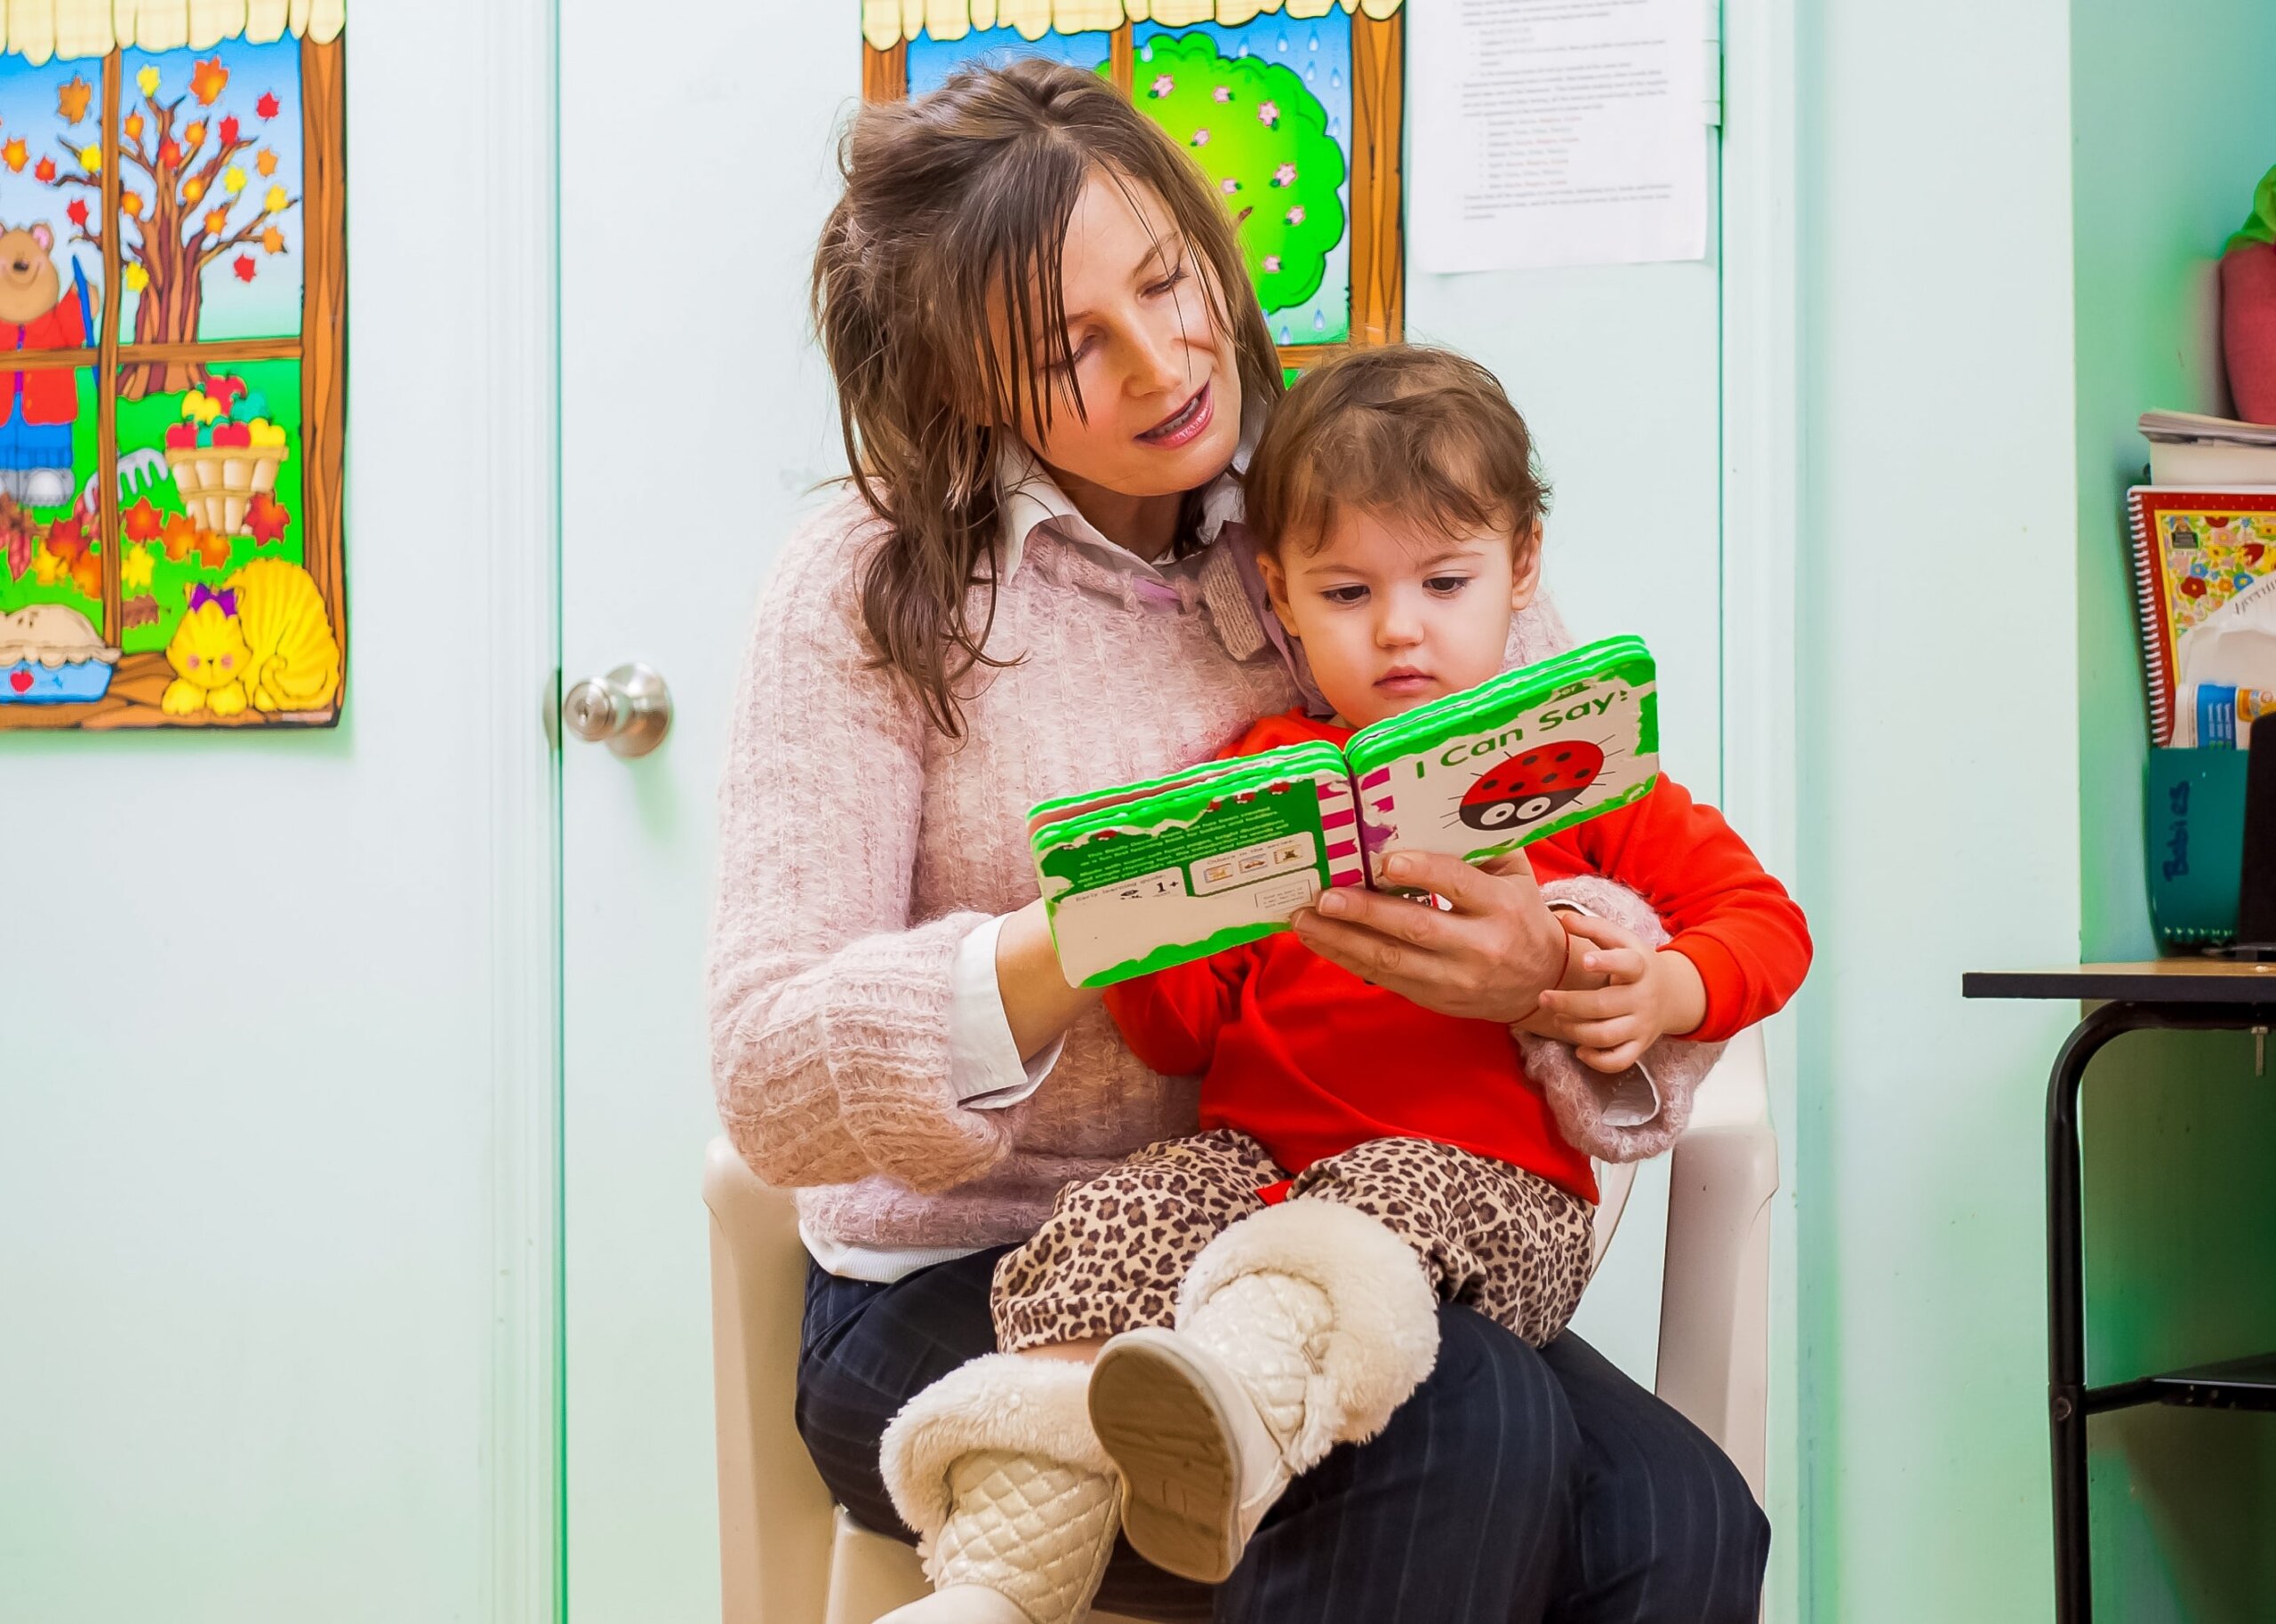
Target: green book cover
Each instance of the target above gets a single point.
(1142, 877)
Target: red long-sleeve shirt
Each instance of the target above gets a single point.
(1311, 1060)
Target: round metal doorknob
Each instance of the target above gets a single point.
(629, 710)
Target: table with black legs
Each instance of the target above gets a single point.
(2167, 994)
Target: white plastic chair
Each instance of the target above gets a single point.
(788, 1556)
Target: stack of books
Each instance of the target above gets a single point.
(2203, 540)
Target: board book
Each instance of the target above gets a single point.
(1142, 877)
(2194, 549)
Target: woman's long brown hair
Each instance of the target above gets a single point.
(955, 213)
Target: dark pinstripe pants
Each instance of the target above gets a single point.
(1517, 1485)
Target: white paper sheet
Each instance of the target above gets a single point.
(1556, 132)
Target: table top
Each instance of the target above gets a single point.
(2164, 981)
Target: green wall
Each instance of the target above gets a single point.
(2005, 211)
(1939, 784)
(2154, 198)
(2180, 1135)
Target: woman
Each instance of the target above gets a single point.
(1048, 361)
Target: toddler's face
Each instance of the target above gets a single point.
(1393, 614)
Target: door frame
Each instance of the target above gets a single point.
(1761, 425)
(517, 431)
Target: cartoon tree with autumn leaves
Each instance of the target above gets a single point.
(192, 171)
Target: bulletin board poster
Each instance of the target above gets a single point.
(1291, 110)
(172, 317)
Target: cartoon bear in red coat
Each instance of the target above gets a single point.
(36, 313)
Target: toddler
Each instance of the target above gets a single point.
(1259, 1281)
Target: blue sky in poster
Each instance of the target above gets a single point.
(1319, 49)
(28, 111)
(931, 61)
(270, 306)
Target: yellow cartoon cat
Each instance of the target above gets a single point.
(263, 639)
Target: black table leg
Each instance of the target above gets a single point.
(2066, 1288)
(2066, 1313)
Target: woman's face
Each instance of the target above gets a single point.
(1153, 368)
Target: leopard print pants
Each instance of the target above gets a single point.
(1114, 1251)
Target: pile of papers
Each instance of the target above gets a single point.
(2186, 449)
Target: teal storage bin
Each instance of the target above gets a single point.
(2195, 829)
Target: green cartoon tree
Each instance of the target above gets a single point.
(1262, 137)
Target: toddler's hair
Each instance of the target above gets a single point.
(1403, 429)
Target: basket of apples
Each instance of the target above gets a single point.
(223, 452)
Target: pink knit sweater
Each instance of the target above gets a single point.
(858, 847)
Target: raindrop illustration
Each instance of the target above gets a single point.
(1315, 44)
(1319, 320)
(1145, 53)
(1335, 78)
(1283, 334)
(1283, 47)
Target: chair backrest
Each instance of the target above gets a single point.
(1614, 1179)
(775, 1521)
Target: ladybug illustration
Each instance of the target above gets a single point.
(1527, 788)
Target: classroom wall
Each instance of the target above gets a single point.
(2005, 256)
(2181, 1229)
(256, 1361)
(1939, 806)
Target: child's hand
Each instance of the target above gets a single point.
(1618, 997)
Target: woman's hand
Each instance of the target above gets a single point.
(1489, 958)
(1620, 998)
(1038, 1006)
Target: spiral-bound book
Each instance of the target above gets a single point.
(1142, 877)
(2195, 548)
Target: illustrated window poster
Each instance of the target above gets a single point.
(173, 313)
(1290, 107)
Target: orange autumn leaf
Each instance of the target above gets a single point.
(67, 539)
(214, 550)
(273, 240)
(267, 518)
(87, 575)
(266, 163)
(217, 222)
(134, 126)
(72, 96)
(181, 536)
(15, 155)
(44, 171)
(193, 190)
(208, 80)
(143, 521)
(131, 203)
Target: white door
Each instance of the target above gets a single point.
(694, 172)
(696, 168)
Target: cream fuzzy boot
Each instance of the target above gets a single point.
(1299, 1328)
(995, 1465)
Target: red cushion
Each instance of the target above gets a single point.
(2248, 328)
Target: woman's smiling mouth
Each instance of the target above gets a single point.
(1181, 426)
